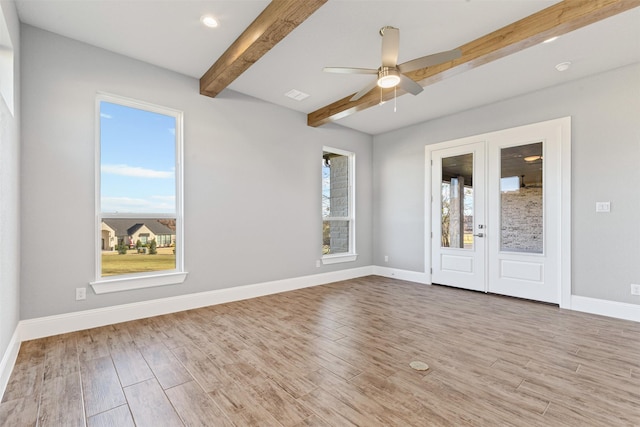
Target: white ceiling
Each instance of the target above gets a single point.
(168, 33)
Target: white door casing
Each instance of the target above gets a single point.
(543, 276)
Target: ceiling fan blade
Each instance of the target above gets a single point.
(390, 44)
(365, 90)
(409, 85)
(349, 70)
(429, 60)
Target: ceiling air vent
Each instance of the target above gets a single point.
(296, 94)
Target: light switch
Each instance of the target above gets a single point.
(603, 206)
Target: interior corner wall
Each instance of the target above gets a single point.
(605, 156)
(252, 179)
(10, 194)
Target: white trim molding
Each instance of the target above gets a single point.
(79, 320)
(618, 310)
(9, 359)
(127, 283)
(338, 258)
(395, 273)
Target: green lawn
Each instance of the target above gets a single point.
(132, 262)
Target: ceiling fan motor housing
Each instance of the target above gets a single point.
(384, 28)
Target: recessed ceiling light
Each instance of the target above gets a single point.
(532, 158)
(552, 39)
(209, 21)
(297, 95)
(563, 66)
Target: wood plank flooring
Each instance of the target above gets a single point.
(337, 355)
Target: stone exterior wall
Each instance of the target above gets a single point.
(522, 220)
(339, 230)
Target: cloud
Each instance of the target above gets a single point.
(136, 171)
(124, 201)
(106, 116)
(171, 199)
(154, 204)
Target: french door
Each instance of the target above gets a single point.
(458, 212)
(495, 212)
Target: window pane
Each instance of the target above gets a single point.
(521, 200)
(136, 245)
(335, 237)
(137, 160)
(335, 185)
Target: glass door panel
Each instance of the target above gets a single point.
(457, 206)
(521, 199)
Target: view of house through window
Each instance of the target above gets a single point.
(138, 212)
(337, 202)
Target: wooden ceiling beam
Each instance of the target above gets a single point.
(553, 21)
(277, 20)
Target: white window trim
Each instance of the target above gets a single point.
(126, 282)
(338, 258)
(7, 82)
(352, 255)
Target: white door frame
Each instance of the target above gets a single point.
(563, 127)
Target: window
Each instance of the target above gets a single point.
(338, 216)
(139, 195)
(6, 64)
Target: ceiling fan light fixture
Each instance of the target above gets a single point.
(388, 77)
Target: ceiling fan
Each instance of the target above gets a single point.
(390, 73)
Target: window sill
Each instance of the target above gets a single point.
(338, 258)
(128, 283)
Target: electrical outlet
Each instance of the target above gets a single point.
(635, 289)
(317, 263)
(81, 294)
(386, 258)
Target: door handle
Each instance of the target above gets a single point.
(479, 235)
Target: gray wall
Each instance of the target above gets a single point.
(252, 179)
(605, 111)
(10, 195)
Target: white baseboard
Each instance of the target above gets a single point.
(619, 310)
(9, 360)
(410, 276)
(70, 322)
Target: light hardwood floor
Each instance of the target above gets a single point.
(337, 355)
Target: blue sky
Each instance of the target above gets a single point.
(138, 158)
